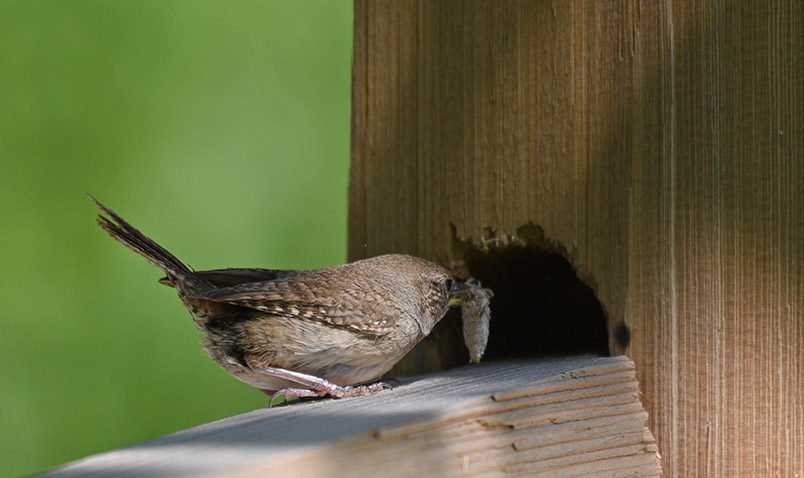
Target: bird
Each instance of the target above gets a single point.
(331, 332)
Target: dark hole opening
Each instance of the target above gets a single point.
(540, 306)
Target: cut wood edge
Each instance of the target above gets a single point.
(553, 417)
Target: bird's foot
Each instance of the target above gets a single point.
(332, 390)
(312, 386)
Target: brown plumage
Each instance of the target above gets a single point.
(310, 332)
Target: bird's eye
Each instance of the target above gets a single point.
(448, 283)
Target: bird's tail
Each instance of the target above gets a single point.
(178, 274)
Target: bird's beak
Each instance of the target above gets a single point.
(459, 288)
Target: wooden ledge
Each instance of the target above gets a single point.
(573, 416)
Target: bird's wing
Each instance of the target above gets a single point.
(232, 277)
(298, 299)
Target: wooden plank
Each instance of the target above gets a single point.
(655, 145)
(455, 422)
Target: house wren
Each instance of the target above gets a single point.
(312, 333)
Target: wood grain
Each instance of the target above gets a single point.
(657, 146)
(561, 417)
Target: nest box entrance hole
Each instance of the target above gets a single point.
(540, 306)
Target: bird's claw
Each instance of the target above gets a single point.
(329, 389)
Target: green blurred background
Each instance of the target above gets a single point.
(221, 129)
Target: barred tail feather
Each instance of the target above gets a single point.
(177, 273)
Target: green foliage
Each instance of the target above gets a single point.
(221, 129)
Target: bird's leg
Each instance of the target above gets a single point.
(312, 386)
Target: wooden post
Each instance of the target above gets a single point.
(656, 146)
